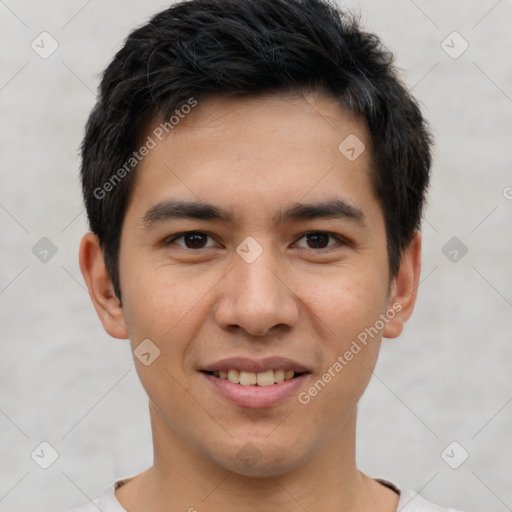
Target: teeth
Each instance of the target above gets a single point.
(288, 374)
(279, 375)
(266, 378)
(247, 378)
(233, 376)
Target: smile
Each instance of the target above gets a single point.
(249, 393)
(265, 378)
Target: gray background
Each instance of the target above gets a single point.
(447, 378)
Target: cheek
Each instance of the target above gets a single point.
(349, 306)
(150, 292)
(347, 302)
(162, 303)
(348, 310)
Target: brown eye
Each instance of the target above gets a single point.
(319, 240)
(192, 240)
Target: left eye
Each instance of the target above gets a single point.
(319, 240)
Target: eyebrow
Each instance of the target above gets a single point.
(179, 209)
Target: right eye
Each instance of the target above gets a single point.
(190, 240)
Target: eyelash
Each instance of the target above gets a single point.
(341, 240)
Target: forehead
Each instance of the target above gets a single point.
(255, 152)
(317, 116)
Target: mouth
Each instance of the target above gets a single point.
(256, 384)
(260, 379)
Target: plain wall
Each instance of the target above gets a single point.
(447, 378)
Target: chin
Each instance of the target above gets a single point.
(254, 459)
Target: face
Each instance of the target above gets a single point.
(252, 245)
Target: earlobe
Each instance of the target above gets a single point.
(100, 287)
(404, 288)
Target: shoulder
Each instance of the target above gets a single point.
(107, 502)
(411, 501)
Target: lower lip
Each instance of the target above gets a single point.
(257, 397)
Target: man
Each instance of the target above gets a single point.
(254, 175)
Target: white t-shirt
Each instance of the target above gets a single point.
(410, 501)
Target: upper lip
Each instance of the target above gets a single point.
(256, 365)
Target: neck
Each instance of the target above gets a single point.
(184, 479)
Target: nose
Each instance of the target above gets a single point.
(257, 297)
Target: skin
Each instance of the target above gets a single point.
(254, 157)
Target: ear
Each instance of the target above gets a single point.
(100, 287)
(404, 288)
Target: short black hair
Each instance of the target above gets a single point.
(244, 48)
